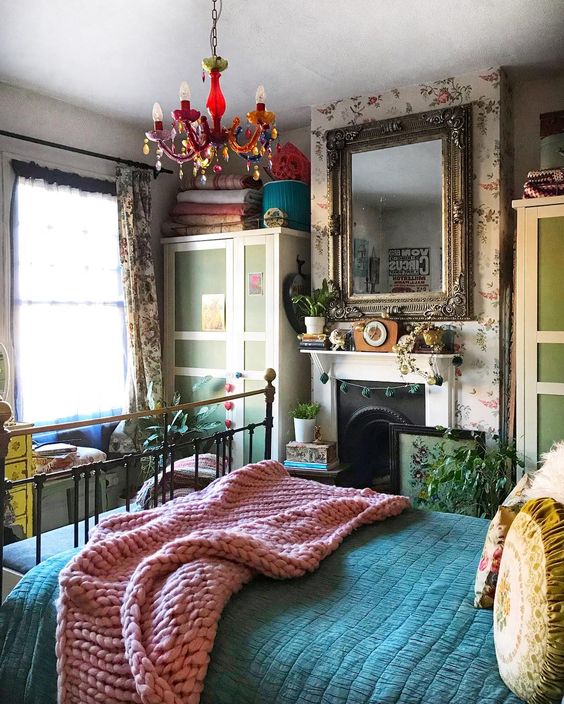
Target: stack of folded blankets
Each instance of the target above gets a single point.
(223, 203)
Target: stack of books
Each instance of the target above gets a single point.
(311, 455)
(314, 341)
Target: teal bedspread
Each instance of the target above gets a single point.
(387, 618)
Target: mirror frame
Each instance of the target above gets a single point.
(5, 392)
(453, 126)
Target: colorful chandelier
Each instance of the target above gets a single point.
(192, 139)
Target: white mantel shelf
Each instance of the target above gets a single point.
(384, 355)
(440, 401)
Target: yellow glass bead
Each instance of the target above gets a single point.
(146, 149)
(184, 143)
(180, 173)
(225, 152)
(255, 151)
(256, 175)
(274, 133)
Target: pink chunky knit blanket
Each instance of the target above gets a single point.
(139, 605)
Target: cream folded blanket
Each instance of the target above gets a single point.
(245, 195)
(140, 604)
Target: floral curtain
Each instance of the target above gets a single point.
(134, 213)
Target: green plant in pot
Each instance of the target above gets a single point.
(182, 427)
(314, 307)
(471, 480)
(305, 415)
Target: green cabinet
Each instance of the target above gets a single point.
(539, 328)
(224, 318)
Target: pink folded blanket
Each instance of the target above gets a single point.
(139, 605)
(212, 209)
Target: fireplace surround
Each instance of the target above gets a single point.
(360, 424)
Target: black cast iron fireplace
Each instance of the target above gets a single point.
(363, 429)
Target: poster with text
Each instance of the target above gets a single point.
(409, 269)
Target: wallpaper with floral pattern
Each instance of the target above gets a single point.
(479, 378)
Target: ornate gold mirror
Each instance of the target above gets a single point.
(401, 223)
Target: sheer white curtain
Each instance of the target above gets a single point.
(68, 305)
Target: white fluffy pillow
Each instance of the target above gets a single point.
(548, 481)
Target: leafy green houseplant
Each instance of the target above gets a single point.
(314, 307)
(182, 427)
(304, 415)
(471, 480)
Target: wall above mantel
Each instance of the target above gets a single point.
(480, 391)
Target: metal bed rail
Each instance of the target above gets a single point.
(163, 460)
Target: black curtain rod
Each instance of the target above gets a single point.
(76, 150)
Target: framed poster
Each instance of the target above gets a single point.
(409, 269)
(213, 312)
(255, 284)
(412, 445)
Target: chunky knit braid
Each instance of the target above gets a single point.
(139, 605)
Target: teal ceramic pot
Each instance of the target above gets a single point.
(293, 197)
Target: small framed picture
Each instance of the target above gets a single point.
(213, 312)
(255, 284)
(412, 445)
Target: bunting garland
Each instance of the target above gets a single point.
(366, 391)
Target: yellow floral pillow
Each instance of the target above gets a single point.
(529, 604)
(488, 567)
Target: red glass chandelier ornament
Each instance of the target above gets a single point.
(191, 138)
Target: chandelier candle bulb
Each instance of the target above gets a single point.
(157, 117)
(260, 98)
(184, 94)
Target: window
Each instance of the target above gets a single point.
(68, 305)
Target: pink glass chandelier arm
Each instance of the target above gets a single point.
(160, 135)
(176, 156)
(242, 148)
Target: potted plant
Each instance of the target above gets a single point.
(314, 306)
(469, 480)
(304, 415)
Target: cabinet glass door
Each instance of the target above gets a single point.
(199, 321)
(542, 421)
(253, 316)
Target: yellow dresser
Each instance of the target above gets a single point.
(19, 465)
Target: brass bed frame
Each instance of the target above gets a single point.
(163, 459)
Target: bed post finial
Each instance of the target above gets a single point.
(269, 376)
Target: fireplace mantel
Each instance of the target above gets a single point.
(373, 367)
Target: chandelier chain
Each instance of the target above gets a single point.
(215, 17)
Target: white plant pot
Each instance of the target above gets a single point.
(304, 429)
(314, 325)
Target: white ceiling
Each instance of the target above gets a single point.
(118, 56)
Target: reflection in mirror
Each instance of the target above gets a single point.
(4, 372)
(397, 219)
